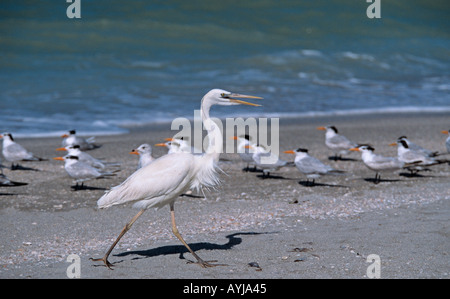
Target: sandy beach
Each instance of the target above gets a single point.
(262, 228)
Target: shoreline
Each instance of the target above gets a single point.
(295, 118)
(247, 219)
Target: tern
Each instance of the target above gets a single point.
(447, 142)
(144, 151)
(81, 171)
(172, 146)
(74, 150)
(266, 160)
(310, 166)
(72, 139)
(244, 153)
(418, 157)
(417, 148)
(339, 144)
(184, 145)
(14, 152)
(379, 163)
(161, 182)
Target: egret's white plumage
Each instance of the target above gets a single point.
(167, 177)
(145, 155)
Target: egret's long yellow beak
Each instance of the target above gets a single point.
(61, 149)
(59, 158)
(169, 139)
(232, 97)
(234, 137)
(160, 144)
(134, 152)
(355, 149)
(321, 128)
(248, 147)
(289, 152)
(64, 136)
(445, 132)
(393, 144)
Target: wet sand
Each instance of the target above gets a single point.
(288, 229)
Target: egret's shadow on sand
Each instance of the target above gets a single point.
(233, 240)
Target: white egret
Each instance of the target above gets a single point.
(161, 182)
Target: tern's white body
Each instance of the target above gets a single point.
(145, 155)
(447, 141)
(84, 157)
(72, 139)
(14, 152)
(379, 163)
(267, 161)
(244, 151)
(81, 171)
(339, 144)
(409, 155)
(312, 167)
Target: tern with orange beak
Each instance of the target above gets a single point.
(80, 171)
(339, 144)
(447, 142)
(378, 163)
(70, 138)
(243, 151)
(310, 166)
(418, 157)
(266, 160)
(185, 145)
(161, 182)
(172, 146)
(74, 150)
(144, 151)
(14, 152)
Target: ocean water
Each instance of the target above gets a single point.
(131, 63)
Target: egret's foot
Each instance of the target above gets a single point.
(105, 261)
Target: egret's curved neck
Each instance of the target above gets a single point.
(215, 139)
